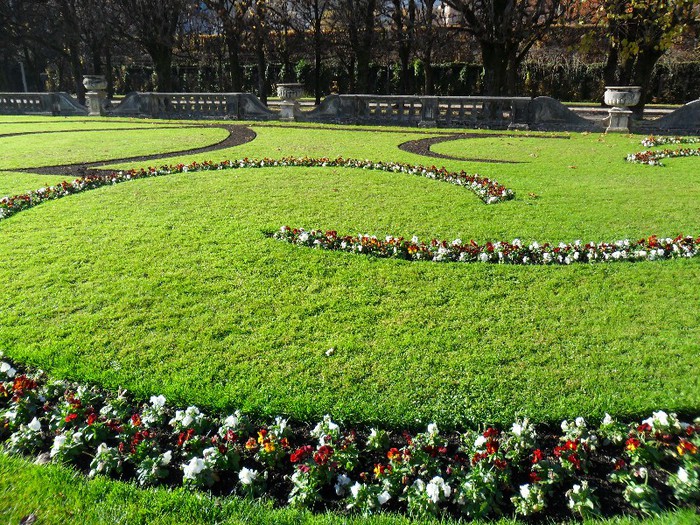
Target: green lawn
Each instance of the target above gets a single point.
(169, 285)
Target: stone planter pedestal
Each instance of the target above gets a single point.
(290, 95)
(621, 97)
(96, 94)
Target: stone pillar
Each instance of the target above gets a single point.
(621, 97)
(429, 112)
(96, 94)
(289, 107)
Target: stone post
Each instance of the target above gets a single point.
(621, 97)
(429, 112)
(96, 94)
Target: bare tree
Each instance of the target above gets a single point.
(506, 30)
(233, 15)
(403, 16)
(356, 22)
(154, 25)
(311, 15)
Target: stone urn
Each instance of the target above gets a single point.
(290, 91)
(290, 95)
(96, 94)
(620, 98)
(95, 82)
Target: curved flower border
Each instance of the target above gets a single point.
(521, 469)
(486, 189)
(654, 157)
(649, 249)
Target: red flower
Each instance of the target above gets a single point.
(644, 428)
(323, 454)
(300, 453)
(500, 464)
(478, 457)
(534, 478)
(632, 444)
(575, 461)
(620, 464)
(537, 456)
(70, 417)
(491, 447)
(490, 432)
(231, 436)
(394, 454)
(136, 420)
(91, 418)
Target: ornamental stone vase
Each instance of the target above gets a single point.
(620, 98)
(96, 94)
(290, 94)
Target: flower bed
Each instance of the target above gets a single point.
(652, 141)
(523, 470)
(653, 157)
(650, 249)
(487, 190)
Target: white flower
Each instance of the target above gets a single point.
(58, 443)
(194, 467)
(433, 429)
(525, 491)
(355, 489)
(484, 257)
(580, 422)
(330, 352)
(437, 487)
(479, 442)
(158, 401)
(383, 497)
(247, 476)
(7, 369)
(166, 458)
(231, 421)
(607, 420)
(280, 424)
(342, 482)
(517, 429)
(34, 425)
(682, 475)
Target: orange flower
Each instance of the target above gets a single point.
(686, 446)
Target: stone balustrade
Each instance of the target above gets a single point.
(475, 112)
(40, 104)
(193, 105)
(541, 113)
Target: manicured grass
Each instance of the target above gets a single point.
(16, 183)
(57, 495)
(169, 285)
(25, 151)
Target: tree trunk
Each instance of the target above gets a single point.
(261, 63)
(108, 70)
(364, 51)
(162, 62)
(646, 60)
(234, 62)
(77, 74)
(317, 54)
(495, 68)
